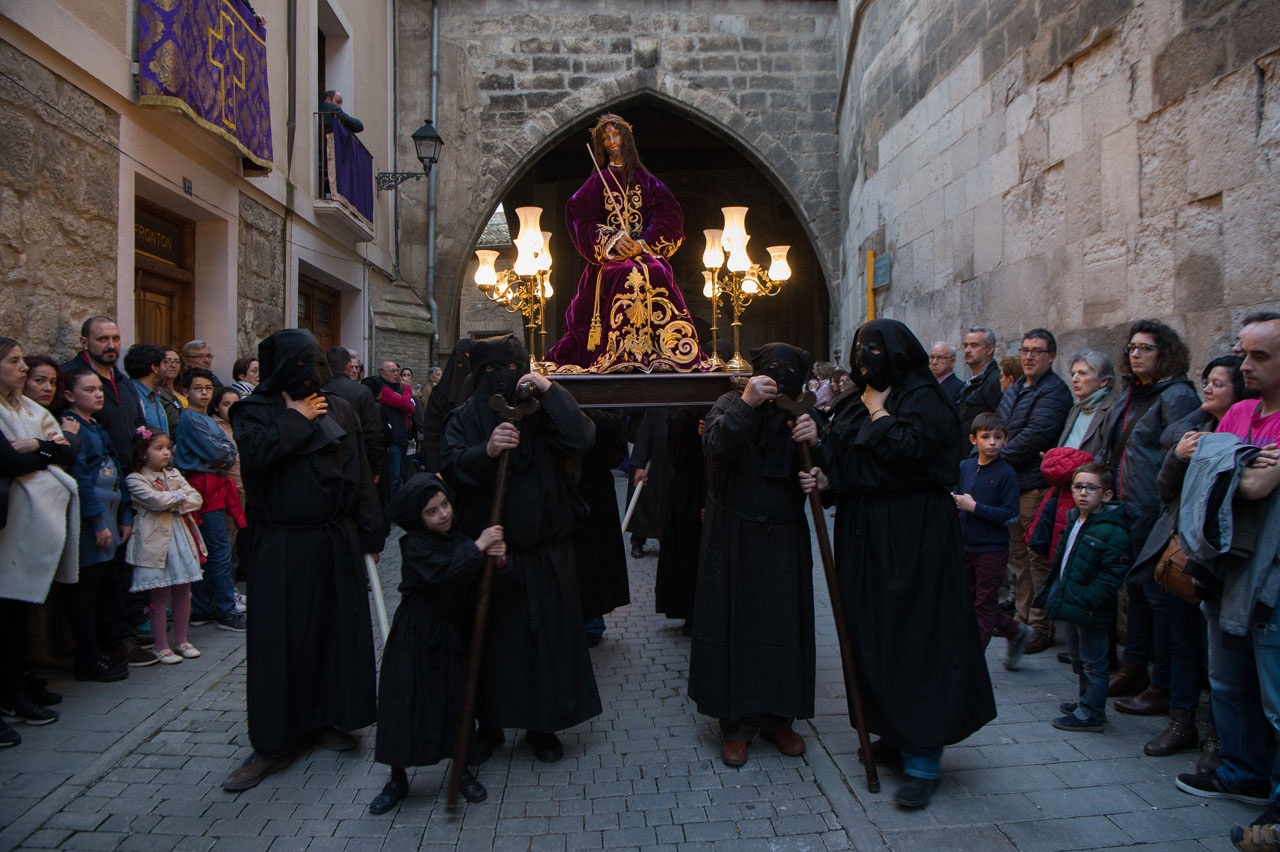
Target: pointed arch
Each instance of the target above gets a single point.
(544, 129)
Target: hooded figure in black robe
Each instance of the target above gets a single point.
(676, 579)
(313, 516)
(536, 672)
(752, 661)
(598, 553)
(897, 544)
(424, 660)
(453, 389)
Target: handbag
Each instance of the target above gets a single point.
(1171, 574)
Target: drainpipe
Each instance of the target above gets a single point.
(431, 187)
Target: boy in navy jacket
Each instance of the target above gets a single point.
(987, 497)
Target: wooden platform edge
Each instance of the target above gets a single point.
(645, 390)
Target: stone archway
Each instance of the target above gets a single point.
(809, 191)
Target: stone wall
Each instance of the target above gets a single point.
(58, 206)
(1076, 165)
(260, 273)
(517, 74)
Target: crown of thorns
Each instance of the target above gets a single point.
(610, 118)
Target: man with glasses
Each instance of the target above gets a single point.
(942, 363)
(395, 400)
(196, 353)
(1034, 411)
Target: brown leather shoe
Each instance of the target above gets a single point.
(1210, 758)
(1152, 701)
(788, 742)
(733, 752)
(251, 773)
(1179, 736)
(1129, 680)
(1042, 641)
(336, 740)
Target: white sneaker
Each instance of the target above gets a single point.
(242, 603)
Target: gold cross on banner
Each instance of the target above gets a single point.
(222, 52)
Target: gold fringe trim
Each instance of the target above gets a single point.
(179, 105)
(593, 337)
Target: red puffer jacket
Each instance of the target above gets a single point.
(1058, 465)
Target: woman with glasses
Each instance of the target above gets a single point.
(1178, 623)
(1157, 394)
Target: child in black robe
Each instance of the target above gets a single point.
(423, 663)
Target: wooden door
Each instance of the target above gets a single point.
(162, 310)
(319, 311)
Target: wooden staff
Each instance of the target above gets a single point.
(509, 414)
(798, 407)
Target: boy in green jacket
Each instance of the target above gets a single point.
(1090, 563)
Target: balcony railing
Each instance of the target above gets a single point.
(344, 185)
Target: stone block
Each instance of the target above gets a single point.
(1104, 280)
(1251, 250)
(1151, 273)
(1219, 156)
(1106, 109)
(988, 236)
(1192, 58)
(1198, 273)
(1084, 193)
(1004, 170)
(1120, 181)
(1066, 132)
(1162, 152)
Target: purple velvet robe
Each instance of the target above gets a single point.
(628, 314)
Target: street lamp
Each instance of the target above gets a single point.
(426, 145)
(525, 288)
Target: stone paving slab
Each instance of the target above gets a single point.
(137, 765)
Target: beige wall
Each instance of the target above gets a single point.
(1076, 166)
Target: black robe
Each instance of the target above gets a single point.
(650, 449)
(536, 672)
(899, 554)
(598, 551)
(677, 575)
(313, 513)
(423, 663)
(753, 642)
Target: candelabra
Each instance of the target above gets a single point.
(737, 277)
(525, 288)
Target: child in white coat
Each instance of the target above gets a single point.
(166, 548)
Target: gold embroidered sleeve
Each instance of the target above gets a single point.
(666, 247)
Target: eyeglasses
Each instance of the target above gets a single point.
(1024, 352)
(1144, 348)
(1085, 488)
(1215, 385)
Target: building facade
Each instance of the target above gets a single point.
(114, 208)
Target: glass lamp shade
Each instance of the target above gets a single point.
(708, 287)
(713, 255)
(426, 145)
(547, 292)
(735, 227)
(738, 259)
(486, 275)
(528, 241)
(544, 255)
(779, 269)
(750, 284)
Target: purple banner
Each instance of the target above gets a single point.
(352, 169)
(208, 59)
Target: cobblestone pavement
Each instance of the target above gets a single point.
(138, 765)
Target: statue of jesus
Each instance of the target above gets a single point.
(627, 314)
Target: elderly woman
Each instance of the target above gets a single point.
(39, 514)
(1178, 624)
(1157, 395)
(1092, 381)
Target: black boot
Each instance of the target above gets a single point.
(396, 789)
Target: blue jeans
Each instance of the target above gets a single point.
(594, 625)
(1088, 649)
(921, 761)
(1180, 625)
(395, 459)
(1137, 645)
(1244, 679)
(216, 593)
